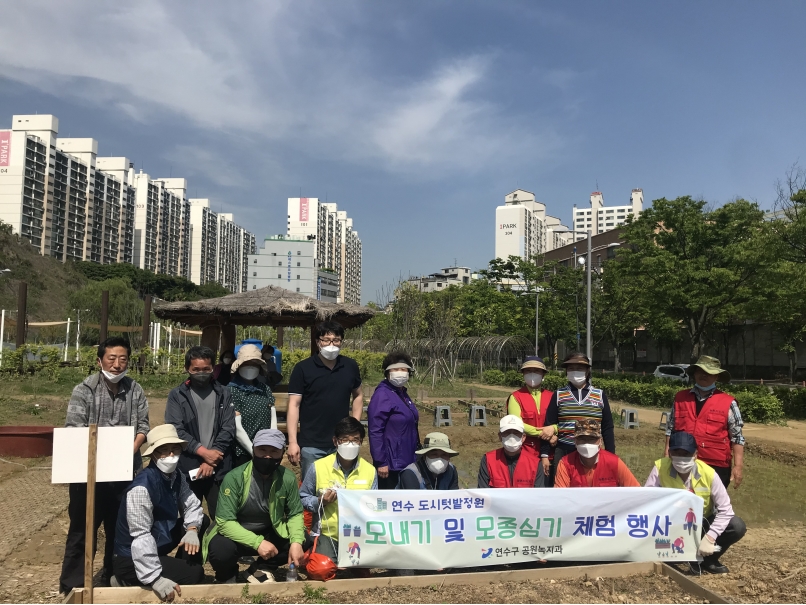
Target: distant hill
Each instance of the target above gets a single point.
(50, 282)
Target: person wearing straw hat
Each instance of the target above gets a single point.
(511, 465)
(392, 420)
(253, 400)
(530, 403)
(591, 466)
(433, 468)
(713, 417)
(259, 514)
(159, 512)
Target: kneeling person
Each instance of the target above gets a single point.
(433, 468)
(682, 470)
(591, 466)
(259, 513)
(325, 477)
(511, 465)
(149, 524)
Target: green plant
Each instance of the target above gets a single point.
(314, 595)
(493, 377)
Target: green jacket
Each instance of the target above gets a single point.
(285, 508)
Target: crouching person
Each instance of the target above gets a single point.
(159, 512)
(433, 468)
(681, 470)
(325, 477)
(591, 466)
(259, 513)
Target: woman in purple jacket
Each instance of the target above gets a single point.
(393, 418)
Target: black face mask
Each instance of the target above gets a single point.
(266, 466)
(200, 381)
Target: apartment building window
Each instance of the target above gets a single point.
(299, 252)
(280, 264)
(254, 287)
(297, 289)
(254, 273)
(610, 211)
(279, 276)
(274, 254)
(299, 264)
(297, 276)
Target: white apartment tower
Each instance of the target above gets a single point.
(600, 218)
(203, 242)
(522, 227)
(337, 245)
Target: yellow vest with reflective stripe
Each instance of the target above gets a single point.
(329, 474)
(701, 486)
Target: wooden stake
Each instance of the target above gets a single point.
(89, 531)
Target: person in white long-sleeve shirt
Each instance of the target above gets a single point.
(158, 513)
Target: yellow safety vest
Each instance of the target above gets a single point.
(701, 480)
(329, 474)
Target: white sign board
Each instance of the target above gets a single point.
(413, 529)
(115, 459)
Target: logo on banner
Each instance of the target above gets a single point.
(5, 147)
(354, 552)
(303, 208)
(486, 553)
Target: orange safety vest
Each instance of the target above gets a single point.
(604, 475)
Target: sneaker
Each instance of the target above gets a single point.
(715, 568)
(260, 576)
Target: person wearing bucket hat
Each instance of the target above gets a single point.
(591, 466)
(259, 514)
(713, 417)
(682, 469)
(392, 420)
(578, 400)
(530, 403)
(511, 465)
(433, 468)
(159, 512)
(253, 401)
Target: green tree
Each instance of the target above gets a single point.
(689, 263)
(125, 306)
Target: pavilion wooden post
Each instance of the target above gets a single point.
(104, 315)
(314, 344)
(211, 334)
(280, 335)
(89, 528)
(228, 337)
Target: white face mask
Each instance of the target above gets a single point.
(578, 378)
(512, 443)
(114, 378)
(588, 450)
(398, 377)
(168, 464)
(348, 451)
(249, 372)
(683, 464)
(533, 379)
(436, 465)
(330, 352)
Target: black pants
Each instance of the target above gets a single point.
(206, 488)
(182, 569)
(734, 532)
(390, 482)
(724, 474)
(223, 554)
(107, 504)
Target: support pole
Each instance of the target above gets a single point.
(78, 335)
(589, 347)
(89, 530)
(22, 313)
(67, 340)
(2, 334)
(146, 326)
(104, 315)
(537, 322)
(280, 335)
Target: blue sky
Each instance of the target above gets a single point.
(418, 117)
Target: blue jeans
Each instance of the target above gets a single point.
(309, 455)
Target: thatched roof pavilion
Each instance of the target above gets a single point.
(270, 306)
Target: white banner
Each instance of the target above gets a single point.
(412, 529)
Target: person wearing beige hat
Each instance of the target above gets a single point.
(159, 512)
(511, 465)
(433, 468)
(253, 400)
(713, 417)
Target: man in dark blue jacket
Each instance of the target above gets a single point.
(203, 414)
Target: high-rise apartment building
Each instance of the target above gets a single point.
(337, 245)
(204, 242)
(121, 171)
(522, 227)
(600, 218)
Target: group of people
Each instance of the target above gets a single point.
(220, 444)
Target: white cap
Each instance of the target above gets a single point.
(509, 423)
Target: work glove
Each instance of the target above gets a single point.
(191, 538)
(163, 587)
(707, 548)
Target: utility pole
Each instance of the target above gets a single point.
(589, 351)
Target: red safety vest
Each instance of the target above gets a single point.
(710, 427)
(525, 469)
(530, 414)
(604, 475)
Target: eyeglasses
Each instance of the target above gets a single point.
(330, 341)
(350, 441)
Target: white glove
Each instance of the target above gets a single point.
(163, 587)
(191, 538)
(707, 548)
(241, 436)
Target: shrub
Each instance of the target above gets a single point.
(513, 378)
(765, 408)
(793, 401)
(493, 376)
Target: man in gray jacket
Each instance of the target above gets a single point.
(107, 398)
(204, 416)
